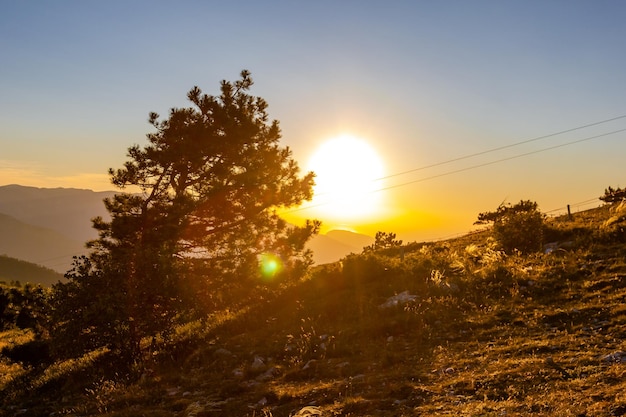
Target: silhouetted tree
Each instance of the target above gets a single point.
(612, 195)
(516, 227)
(210, 179)
(383, 240)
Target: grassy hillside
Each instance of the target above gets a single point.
(454, 328)
(12, 269)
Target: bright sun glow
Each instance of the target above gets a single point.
(348, 173)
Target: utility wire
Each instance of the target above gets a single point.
(499, 148)
(503, 147)
(479, 165)
(580, 203)
(501, 160)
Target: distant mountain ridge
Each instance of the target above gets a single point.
(37, 244)
(12, 269)
(336, 244)
(48, 226)
(67, 211)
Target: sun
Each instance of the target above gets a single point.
(348, 173)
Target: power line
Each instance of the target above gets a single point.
(562, 145)
(503, 147)
(499, 148)
(580, 203)
(485, 163)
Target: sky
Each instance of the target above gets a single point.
(424, 84)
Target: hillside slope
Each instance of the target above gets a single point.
(12, 269)
(37, 245)
(454, 328)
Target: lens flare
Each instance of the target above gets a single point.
(270, 265)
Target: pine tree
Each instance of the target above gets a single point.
(210, 181)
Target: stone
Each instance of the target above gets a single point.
(267, 375)
(223, 352)
(257, 363)
(398, 299)
(615, 357)
(309, 411)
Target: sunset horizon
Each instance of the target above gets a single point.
(457, 109)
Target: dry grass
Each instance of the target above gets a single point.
(486, 335)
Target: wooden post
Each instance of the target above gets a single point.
(569, 213)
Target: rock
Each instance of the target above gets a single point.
(257, 364)
(553, 246)
(223, 352)
(616, 357)
(249, 384)
(308, 412)
(193, 409)
(550, 247)
(267, 375)
(398, 299)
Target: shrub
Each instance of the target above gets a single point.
(383, 240)
(516, 227)
(612, 195)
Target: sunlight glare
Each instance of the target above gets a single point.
(348, 172)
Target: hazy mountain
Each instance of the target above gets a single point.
(12, 269)
(67, 211)
(336, 244)
(47, 226)
(355, 240)
(37, 244)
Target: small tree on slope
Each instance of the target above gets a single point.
(614, 195)
(516, 227)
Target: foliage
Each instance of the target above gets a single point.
(211, 179)
(383, 240)
(614, 195)
(24, 307)
(516, 227)
(89, 312)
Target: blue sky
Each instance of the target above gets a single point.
(421, 81)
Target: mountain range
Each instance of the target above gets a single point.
(48, 226)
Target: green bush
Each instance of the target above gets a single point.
(516, 227)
